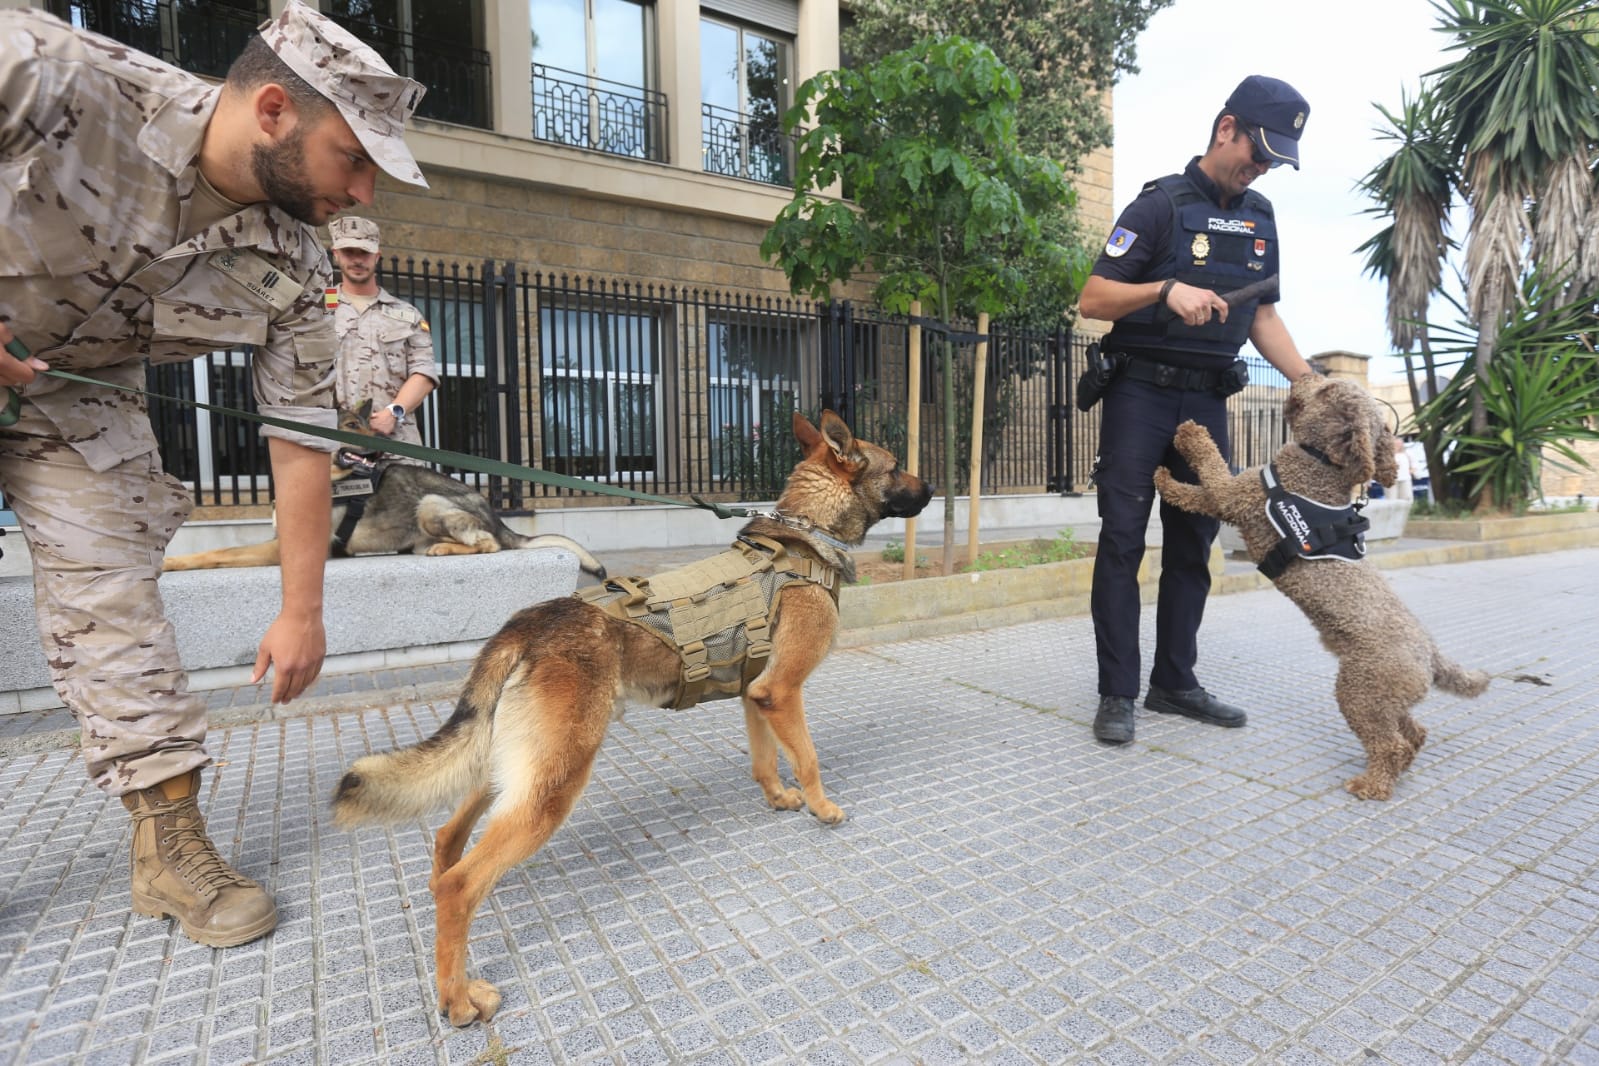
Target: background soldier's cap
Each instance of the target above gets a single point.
(374, 100)
(352, 231)
(1275, 113)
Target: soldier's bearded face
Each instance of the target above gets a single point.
(280, 171)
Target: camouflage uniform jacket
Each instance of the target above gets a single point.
(99, 153)
(378, 349)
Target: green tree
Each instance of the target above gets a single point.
(1517, 119)
(1066, 56)
(945, 204)
(1414, 189)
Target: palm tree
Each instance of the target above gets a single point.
(1414, 189)
(1523, 126)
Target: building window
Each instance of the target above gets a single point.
(201, 36)
(600, 388)
(437, 42)
(744, 91)
(594, 76)
(753, 364)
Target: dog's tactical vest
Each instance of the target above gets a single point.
(718, 613)
(1309, 530)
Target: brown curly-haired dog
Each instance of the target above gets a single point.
(1387, 661)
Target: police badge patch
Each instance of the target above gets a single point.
(1201, 246)
(1121, 239)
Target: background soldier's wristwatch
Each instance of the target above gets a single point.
(398, 411)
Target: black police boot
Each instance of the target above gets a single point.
(1114, 722)
(1195, 703)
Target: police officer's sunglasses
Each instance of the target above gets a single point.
(1262, 157)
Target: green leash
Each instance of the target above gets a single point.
(10, 412)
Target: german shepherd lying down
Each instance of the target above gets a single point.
(410, 509)
(536, 706)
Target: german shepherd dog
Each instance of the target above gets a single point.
(410, 509)
(521, 744)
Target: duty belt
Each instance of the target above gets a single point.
(1173, 377)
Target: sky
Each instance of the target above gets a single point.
(1342, 57)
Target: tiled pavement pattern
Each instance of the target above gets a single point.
(1005, 891)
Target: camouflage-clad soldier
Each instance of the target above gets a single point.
(145, 213)
(385, 347)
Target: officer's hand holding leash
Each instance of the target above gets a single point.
(20, 369)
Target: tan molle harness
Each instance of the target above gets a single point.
(717, 613)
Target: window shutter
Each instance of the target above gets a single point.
(780, 15)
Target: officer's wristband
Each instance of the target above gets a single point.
(1165, 291)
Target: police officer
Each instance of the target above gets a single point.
(385, 348)
(148, 214)
(1187, 239)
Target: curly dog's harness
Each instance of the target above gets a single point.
(718, 613)
(1309, 530)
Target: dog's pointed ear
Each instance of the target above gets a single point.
(805, 433)
(839, 438)
(364, 409)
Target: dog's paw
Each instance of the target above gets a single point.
(1191, 435)
(477, 1003)
(1163, 480)
(785, 799)
(1367, 787)
(828, 812)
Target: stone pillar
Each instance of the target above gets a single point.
(508, 25)
(1349, 365)
(678, 26)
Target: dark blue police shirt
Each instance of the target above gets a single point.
(1149, 219)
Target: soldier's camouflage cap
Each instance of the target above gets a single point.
(352, 231)
(374, 100)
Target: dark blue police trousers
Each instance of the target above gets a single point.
(1138, 421)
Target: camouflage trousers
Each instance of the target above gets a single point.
(97, 541)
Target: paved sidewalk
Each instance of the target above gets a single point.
(1005, 891)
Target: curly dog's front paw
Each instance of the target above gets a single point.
(1193, 439)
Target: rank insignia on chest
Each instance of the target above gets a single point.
(1201, 246)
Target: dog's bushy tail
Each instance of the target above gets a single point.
(1452, 677)
(437, 772)
(585, 562)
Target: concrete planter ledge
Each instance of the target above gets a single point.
(380, 611)
(1502, 528)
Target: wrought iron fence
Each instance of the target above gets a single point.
(680, 392)
(456, 75)
(746, 146)
(202, 36)
(605, 116)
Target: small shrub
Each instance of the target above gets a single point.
(1062, 548)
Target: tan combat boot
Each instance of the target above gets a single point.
(177, 872)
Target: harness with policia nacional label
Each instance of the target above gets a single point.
(718, 613)
(1309, 530)
(353, 492)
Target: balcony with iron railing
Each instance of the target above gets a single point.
(597, 114)
(457, 76)
(751, 147)
(202, 38)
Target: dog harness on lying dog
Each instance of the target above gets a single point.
(365, 475)
(1309, 530)
(718, 613)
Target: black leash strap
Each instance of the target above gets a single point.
(933, 325)
(459, 460)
